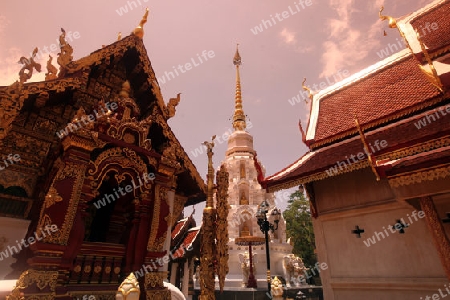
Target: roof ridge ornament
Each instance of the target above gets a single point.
(65, 55)
(51, 69)
(139, 30)
(430, 74)
(311, 94)
(171, 105)
(392, 21)
(393, 24)
(29, 65)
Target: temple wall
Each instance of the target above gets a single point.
(351, 190)
(393, 265)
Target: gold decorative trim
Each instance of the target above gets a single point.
(129, 286)
(178, 206)
(417, 149)
(222, 238)
(160, 194)
(317, 176)
(155, 279)
(46, 222)
(52, 197)
(397, 154)
(127, 156)
(41, 279)
(71, 170)
(420, 176)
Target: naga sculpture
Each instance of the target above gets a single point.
(29, 65)
(51, 69)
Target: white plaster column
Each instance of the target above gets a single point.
(185, 284)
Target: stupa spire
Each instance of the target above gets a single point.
(239, 116)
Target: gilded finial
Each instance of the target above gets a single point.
(129, 289)
(126, 88)
(139, 30)
(210, 177)
(239, 116)
(392, 21)
(119, 36)
(237, 57)
(310, 93)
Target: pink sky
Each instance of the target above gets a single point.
(315, 41)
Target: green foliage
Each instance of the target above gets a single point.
(299, 227)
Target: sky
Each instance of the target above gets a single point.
(280, 43)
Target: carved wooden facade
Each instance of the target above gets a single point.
(63, 178)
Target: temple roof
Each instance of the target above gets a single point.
(436, 12)
(180, 230)
(399, 136)
(395, 84)
(184, 238)
(389, 99)
(127, 56)
(190, 243)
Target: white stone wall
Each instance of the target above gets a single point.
(240, 152)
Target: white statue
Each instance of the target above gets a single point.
(293, 270)
(244, 258)
(175, 292)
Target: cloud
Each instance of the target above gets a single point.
(289, 39)
(288, 36)
(347, 46)
(4, 22)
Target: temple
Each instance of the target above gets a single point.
(245, 197)
(377, 170)
(92, 177)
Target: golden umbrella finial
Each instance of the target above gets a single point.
(139, 30)
(239, 116)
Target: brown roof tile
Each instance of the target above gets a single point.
(434, 39)
(395, 89)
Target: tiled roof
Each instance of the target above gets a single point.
(398, 89)
(398, 135)
(180, 230)
(178, 227)
(434, 39)
(187, 244)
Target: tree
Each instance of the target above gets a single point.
(299, 227)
